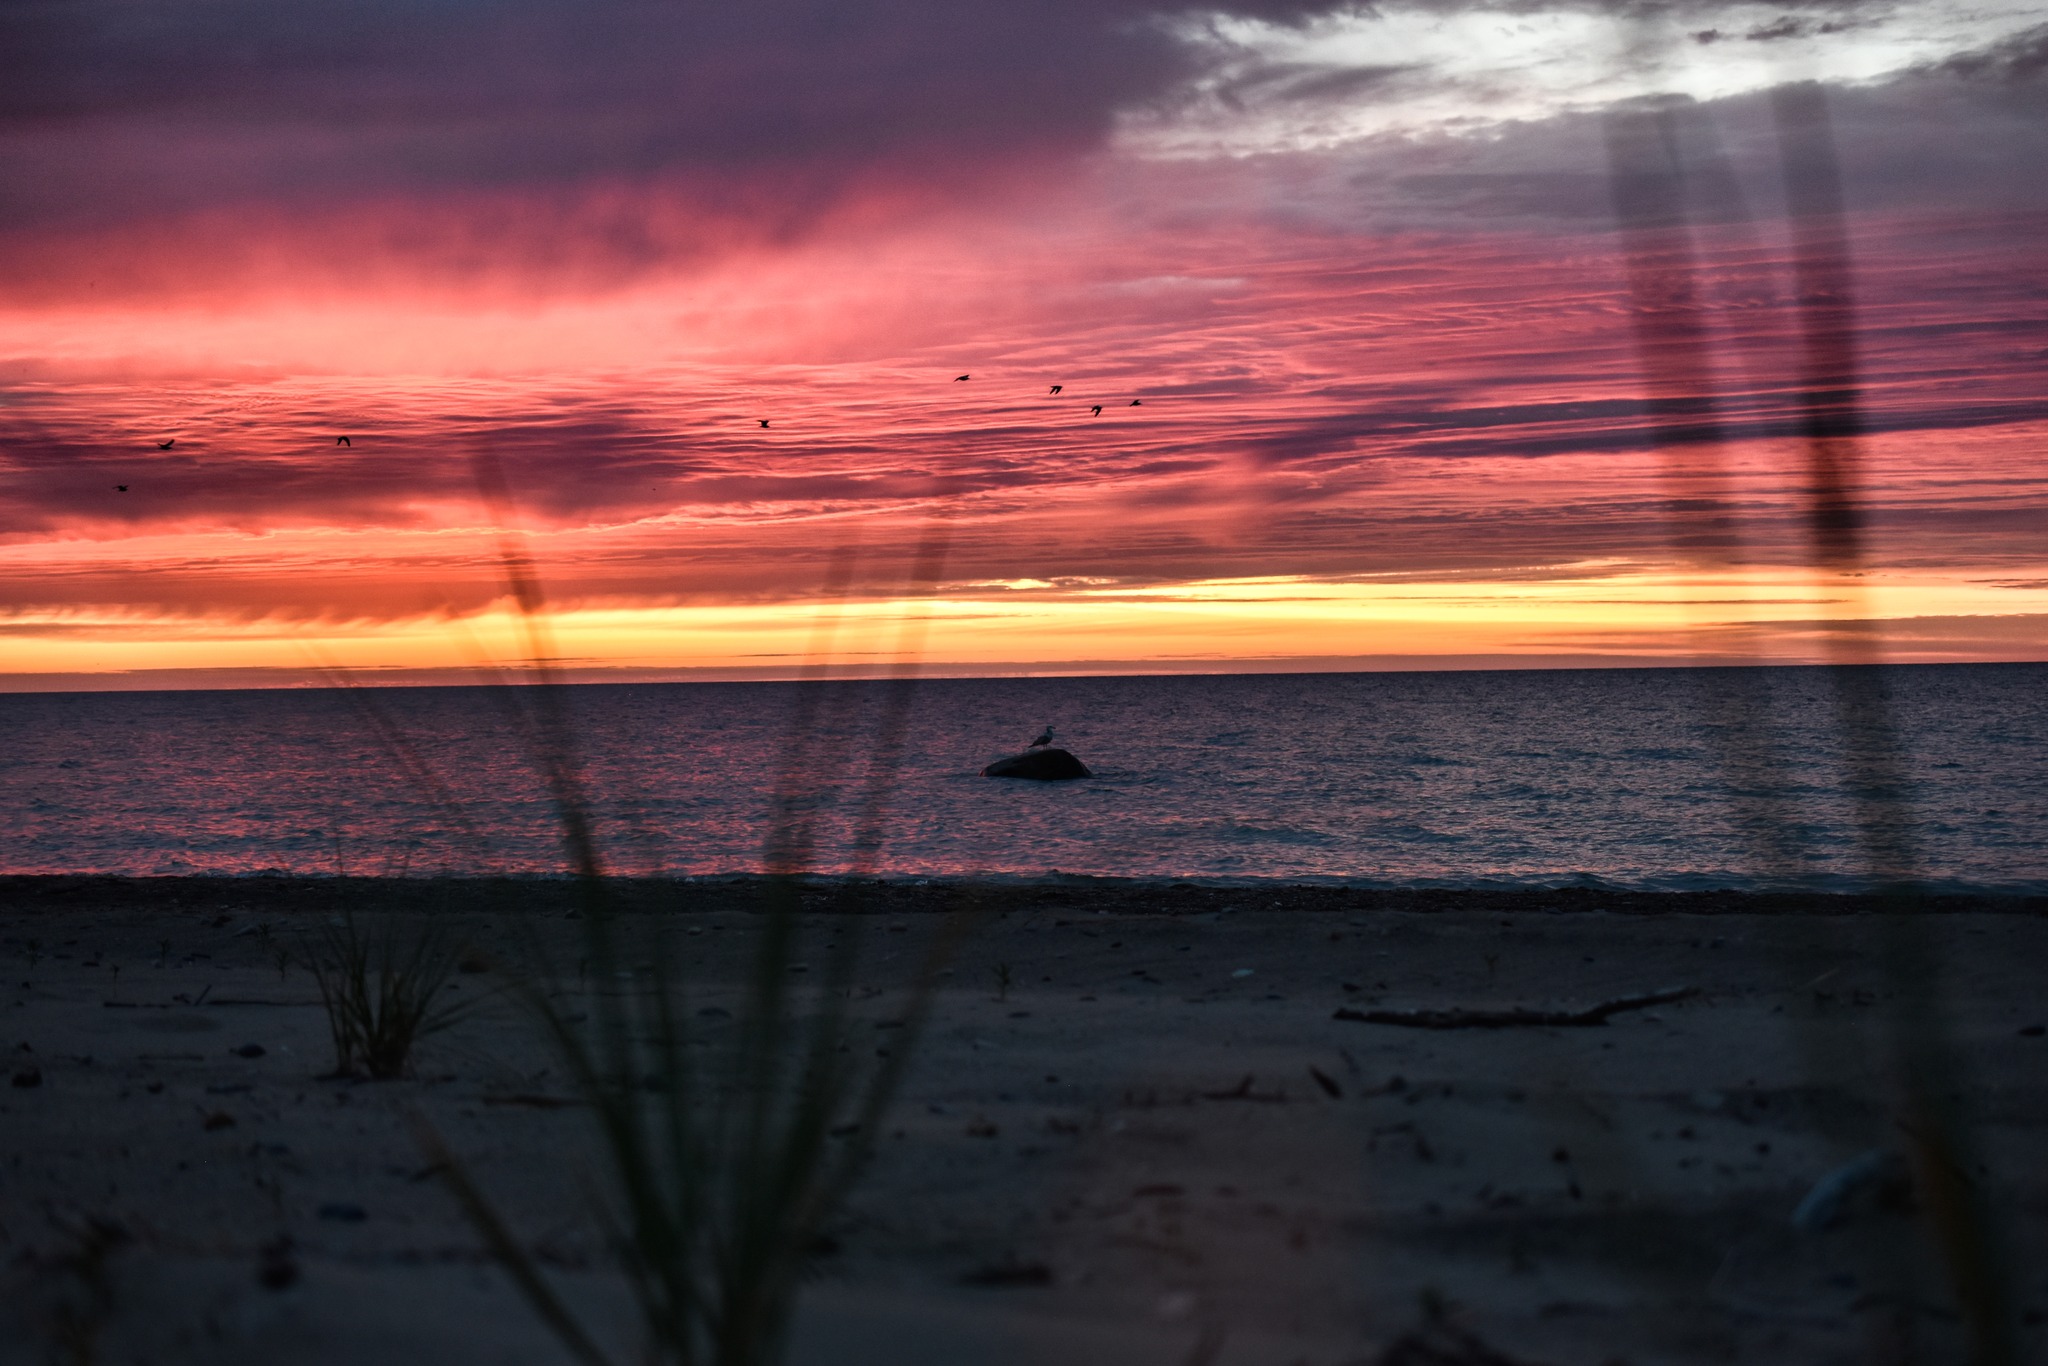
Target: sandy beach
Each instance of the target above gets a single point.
(1137, 1128)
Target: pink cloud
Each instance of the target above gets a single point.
(1343, 368)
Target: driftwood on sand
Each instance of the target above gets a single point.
(1460, 1018)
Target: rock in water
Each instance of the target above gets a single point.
(1046, 765)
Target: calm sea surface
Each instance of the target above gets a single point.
(1671, 778)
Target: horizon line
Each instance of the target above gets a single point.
(259, 679)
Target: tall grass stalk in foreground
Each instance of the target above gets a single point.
(721, 1157)
(1649, 176)
(383, 993)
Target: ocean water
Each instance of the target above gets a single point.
(1642, 778)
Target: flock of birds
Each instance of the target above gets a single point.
(167, 445)
(1094, 410)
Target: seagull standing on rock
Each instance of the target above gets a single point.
(1044, 739)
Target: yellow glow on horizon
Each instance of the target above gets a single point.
(1782, 615)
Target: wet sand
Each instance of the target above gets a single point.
(1137, 1130)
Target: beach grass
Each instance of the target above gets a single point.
(724, 1149)
(727, 1139)
(383, 991)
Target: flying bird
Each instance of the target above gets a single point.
(343, 441)
(1057, 387)
(1097, 410)
(1137, 402)
(166, 445)
(958, 378)
(1044, 739)
(120, 488)
(763, 421)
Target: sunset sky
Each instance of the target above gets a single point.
(1463, 336)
